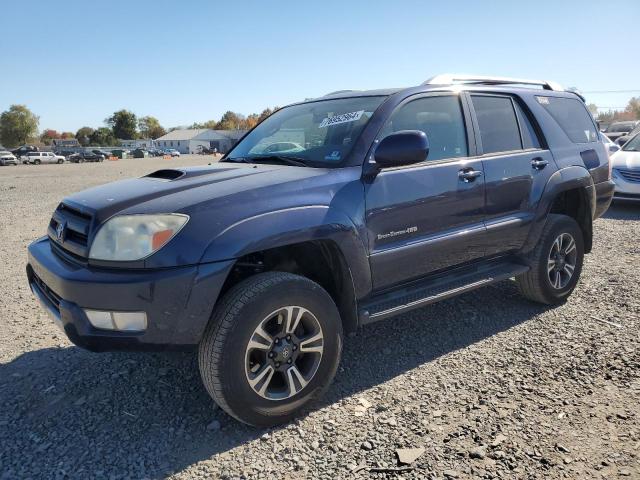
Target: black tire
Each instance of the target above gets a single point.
(36, 162)
(222, 350)
(536, 284)
(60, 161)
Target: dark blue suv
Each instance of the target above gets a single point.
(330, 214)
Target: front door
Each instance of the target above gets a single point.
(516, 169)
(429, 216)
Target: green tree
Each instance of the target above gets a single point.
(103, 137)
(83, 135)
(150, 127)
(124, 124)
(17, 125)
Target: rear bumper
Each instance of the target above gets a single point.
(178, 301)
(604, 195)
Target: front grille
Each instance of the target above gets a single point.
(46, 291)
(75, 238)
(629, 175)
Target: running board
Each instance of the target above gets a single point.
(425, 292)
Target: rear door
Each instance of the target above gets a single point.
(516, 165)
(428, 216)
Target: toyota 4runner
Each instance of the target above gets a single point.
(379, 202)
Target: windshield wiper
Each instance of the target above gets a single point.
(238, 160)
(294, 161)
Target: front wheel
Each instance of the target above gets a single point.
(272, 346)
(60, 161)
(556, 262)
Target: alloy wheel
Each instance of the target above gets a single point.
(284, 352)
(562, 261)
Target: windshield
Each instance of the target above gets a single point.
(632, 145)
(620, 127)
(318, 134)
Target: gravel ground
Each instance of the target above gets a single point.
(488, 384)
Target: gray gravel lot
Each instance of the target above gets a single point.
(488, 384)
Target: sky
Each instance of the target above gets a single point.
(74, 63)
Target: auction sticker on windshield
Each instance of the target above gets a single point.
(343, 118)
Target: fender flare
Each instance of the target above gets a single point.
(280, 228)
(565, 179)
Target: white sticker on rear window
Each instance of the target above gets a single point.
(543, 100)
(343, 118)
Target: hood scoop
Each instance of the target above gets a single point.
(167, 174)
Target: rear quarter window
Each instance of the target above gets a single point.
(572, 116)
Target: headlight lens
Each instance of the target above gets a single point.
(133, 237)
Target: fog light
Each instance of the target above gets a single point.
(121, 321)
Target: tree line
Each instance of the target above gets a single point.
(19, 126)
(631, 112)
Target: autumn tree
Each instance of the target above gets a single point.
(48, 136)
(17, 125)
(230, 121)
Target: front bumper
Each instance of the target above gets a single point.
(625, 189)
(178, 301)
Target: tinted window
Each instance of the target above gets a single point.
(572, 116)
(529, 136)
(498, 125)
(440, 118)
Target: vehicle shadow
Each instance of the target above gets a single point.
(68, 411)
(620, 210)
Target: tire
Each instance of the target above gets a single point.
(536, 284)
(60, 161)
(36, 162)
(225, 356)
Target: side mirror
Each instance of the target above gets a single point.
(402, 148)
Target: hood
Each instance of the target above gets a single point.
(626, 159)
(177, 190)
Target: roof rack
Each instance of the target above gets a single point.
(449, 79)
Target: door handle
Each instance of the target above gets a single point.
(539, 163)
(469, 175)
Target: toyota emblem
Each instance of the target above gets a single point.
(60, 231)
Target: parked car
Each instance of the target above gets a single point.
(7, 158)
(628, 136)
(172, 152)
(104, 153)
(36, 158)
(404, 197)
(279, 147)
(86, 157)
(140, 153)
(619, 129)
(626, 170)
(611, 147)
(23, 150)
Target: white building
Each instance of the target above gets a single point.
(191, 140)
(138, 143)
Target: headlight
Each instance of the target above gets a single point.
(134, 237)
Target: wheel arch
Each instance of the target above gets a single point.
(320, 260)
(569, 191)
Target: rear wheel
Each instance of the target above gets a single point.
(271, 347)
(556, 262)
(36, 162)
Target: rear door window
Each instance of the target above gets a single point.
(529, 136)
(572, 116)
(498, 124)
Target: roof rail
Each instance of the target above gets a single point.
(449, 79)
(337, 92)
